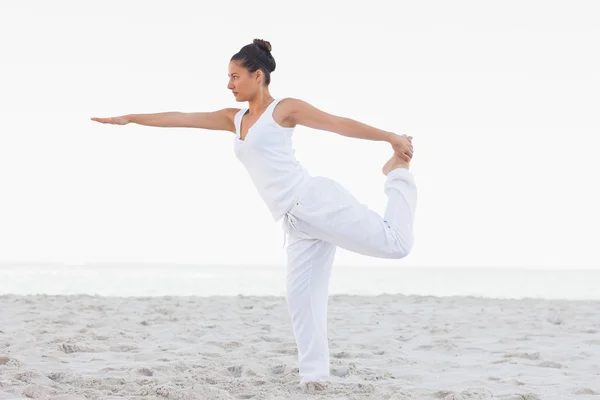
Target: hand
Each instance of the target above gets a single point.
(402, 145)
(112, 120)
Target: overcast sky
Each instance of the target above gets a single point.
(501, 98)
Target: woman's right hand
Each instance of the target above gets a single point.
(402, 145)
(122, 120)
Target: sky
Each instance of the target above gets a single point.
(500, 97)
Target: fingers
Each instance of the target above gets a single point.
(404, 148)
(409, 145)
(101, 120)
(406, 155)
(109, 120)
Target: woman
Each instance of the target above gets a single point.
(318, 213)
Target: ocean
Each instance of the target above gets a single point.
(126, 280)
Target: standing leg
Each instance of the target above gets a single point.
(308, 271)
(327, 211)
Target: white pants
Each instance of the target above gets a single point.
(326, 216)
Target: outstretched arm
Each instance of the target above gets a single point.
(303, 113)
(221, 120)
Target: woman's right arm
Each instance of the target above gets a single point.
(221, 120)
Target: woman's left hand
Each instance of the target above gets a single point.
(402, 145)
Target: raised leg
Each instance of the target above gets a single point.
(327, 211)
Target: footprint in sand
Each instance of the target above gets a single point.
(586, 392)
(528, 356)
(123, 348)
(289, 352)
(236, 370)
(145, 372)
(277, 370)
(226, 345)
(341, 354)
(4, 360)
(75, 348)
(551, 364)
(312, 387)
(272, 339)
(343, 372)
(474, 393)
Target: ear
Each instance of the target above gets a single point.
(259, 74)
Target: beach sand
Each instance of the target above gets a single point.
(242, 347)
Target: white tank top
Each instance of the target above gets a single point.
(267, 154)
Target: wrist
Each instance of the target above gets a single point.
(390, 136)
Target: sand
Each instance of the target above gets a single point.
(241, 347)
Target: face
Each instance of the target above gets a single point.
(242, 83)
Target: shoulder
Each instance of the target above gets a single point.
(300, 112)
(220, 120)
(290, 103)
(287, 109)
(294, 106)
(282, 112)
(231, 112)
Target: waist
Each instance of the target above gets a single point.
(281, 193)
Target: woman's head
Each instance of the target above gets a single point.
(250, 70)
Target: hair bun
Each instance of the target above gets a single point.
(263, 44)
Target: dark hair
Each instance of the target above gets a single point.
(255, 56)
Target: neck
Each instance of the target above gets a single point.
(260, 102)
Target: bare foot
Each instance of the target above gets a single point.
(393, 163)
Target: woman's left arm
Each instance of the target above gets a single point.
(303, 113)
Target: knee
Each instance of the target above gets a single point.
(400, 249)
(398, 254)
